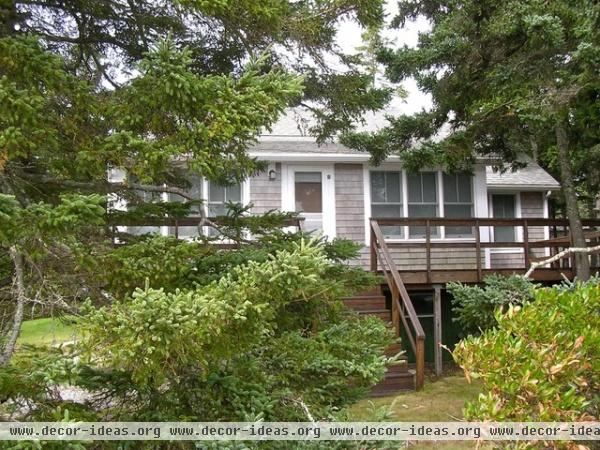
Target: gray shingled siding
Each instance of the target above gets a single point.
(415, 259)
(532, 205)
(350, 207)
(265, 194)
(350, 202)
(506, 260)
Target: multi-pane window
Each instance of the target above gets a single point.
(219, 196)
(142, 197)
(194, 190)
(458, 202)
(386, 199)
(422, 199)
(418, 197)
(214, 201)
(218, 199)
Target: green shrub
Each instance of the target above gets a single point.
(265, 339)
(475, 307)
(541, 362)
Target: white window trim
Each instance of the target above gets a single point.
(546, 215)
(443, 205)
(115, 175)
(480, 201)
(519, 230)
(244, 200)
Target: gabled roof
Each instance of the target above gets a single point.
(288, 141)
(531, 177)
(297, 144)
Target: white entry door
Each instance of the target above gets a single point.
(309, 190)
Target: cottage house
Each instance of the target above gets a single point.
(420, 230)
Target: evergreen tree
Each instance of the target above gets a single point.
(506, 77)
(88, 86)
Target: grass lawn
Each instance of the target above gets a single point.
(439, 401)
(46, 331)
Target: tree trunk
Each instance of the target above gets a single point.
(582, 262)
(19, 282)
(8, 17)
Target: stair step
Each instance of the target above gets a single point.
(394, 382)
(383, 314)
(400, 366)
(365, 302)
(373, 291)
(393, 349)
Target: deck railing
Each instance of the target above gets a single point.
(556, 237)
(403, 310)
(175, 224)
(555, 234)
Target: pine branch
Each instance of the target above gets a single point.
(108, 187)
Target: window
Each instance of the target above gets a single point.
(458, 202)
(503, 207)
(308, 197)
(209, 195)
(422, 199)
(194, 189)
(142, 197)
(398, 193)
(219, 196)
(308, 188)
(386, 199)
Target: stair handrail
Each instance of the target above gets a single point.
(381, 252)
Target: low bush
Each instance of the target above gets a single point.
(542, 360)
(474, 306)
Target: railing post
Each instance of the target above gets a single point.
(428, 249)
(478, 251)
(526, 244)
(395, 312)
(437, 329)
(373, 247)
(420, 357)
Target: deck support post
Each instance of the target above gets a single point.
(420, 363)
(437, 328)
(428, 249)
(478, 251)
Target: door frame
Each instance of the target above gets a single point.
(288, 196)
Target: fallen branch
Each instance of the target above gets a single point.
(561, 255)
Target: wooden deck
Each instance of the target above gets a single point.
(401, 278)
(481, 245)
(421, 279)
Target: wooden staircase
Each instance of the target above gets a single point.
(398, 376)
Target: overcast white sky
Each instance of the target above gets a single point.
(349, 38)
